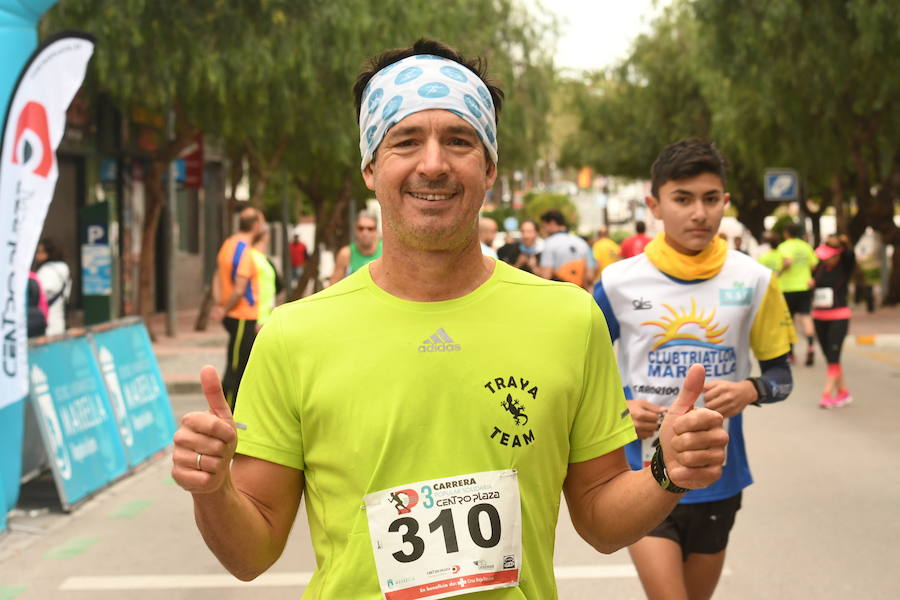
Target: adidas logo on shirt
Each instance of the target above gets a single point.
(439, 341)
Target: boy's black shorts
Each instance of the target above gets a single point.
(702, 528)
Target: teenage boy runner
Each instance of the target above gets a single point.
(685, 300)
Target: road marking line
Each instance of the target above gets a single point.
(163, 582)
(72, 548)
(296, 579)
(8, 592)
(595, 572)
(888, 357)
(131, 509)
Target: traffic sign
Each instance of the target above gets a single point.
(781, 184)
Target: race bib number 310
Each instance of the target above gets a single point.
(445, 537)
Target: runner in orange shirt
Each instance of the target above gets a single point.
(238, 296)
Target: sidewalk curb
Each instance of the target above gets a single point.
(875, 340)
(184, 386)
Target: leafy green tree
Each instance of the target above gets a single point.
(205, 63)
(658, 95)
(273, 79)
(812, 89)
(537, 203)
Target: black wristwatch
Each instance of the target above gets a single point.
(658, 470)
(762, 392)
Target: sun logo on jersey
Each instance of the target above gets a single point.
(688, 328)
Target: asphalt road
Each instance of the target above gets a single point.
(821, 521)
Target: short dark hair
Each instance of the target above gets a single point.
(795, 229)
(247, 220)
(477, 65)
(554, 216)
(51, 250)
(686, 158)
(640, 226)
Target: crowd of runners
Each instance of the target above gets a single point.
(430, 419)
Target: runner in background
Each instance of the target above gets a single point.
(299, 255)
(796, 282)
(487, 233)
(686, 299)
(269, 280)
(831, 313)
(237, 294)
(408, 398)
(362, 251)
(634, 245)
(605, 250)
(769, 256)
(530, 247)
(565, 257)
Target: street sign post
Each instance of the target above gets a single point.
(781, 184)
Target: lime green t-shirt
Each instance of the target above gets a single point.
(797, 276)
(266, 273)
(772, 260)
(364, 391)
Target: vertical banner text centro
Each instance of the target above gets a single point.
(33, 130)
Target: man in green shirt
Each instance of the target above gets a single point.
(365, 248)
(796, 282)
(770, 257)
(408, 402)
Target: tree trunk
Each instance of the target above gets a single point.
(205, 307)
(880, 215)
(892, 296)
(815, 216)
(837, 200)
(752, 208)
(155, 200)
(261, 169)
(328, 217)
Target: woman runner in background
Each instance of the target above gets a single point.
(831, 314)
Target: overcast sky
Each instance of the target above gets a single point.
(597, 33)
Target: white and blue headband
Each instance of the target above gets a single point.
(423, 82)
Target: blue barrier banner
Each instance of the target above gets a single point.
(75, 417)
(3, 509)
(12, 429)
(136, 389)
(18, 38)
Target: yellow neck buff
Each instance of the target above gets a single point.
(705, 265)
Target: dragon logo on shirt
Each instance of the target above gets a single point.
(516, 409)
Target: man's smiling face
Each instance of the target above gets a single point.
(430, 175)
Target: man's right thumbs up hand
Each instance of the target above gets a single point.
(205, 441)
(692, 438)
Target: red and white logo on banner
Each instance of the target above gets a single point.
(28, 171)
(31, 145)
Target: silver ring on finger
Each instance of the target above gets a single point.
(199, 458)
